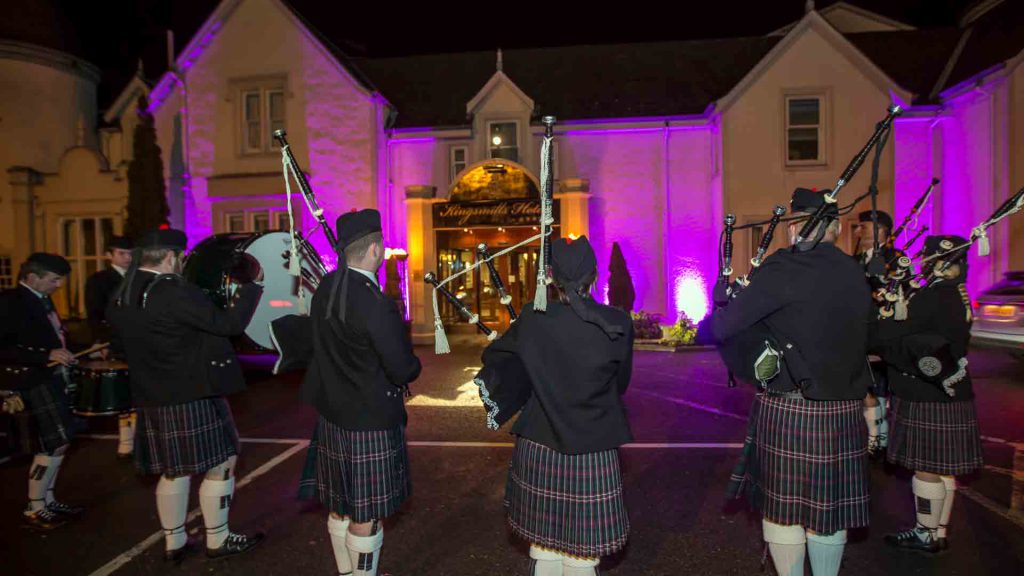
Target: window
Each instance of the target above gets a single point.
(457, 162)
(805, 141)
(6, 273)
(257, 220)
(262, 112)
(82, 241)
(503, 140)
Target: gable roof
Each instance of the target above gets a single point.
(575, 82)
(996, 36)
(843, 8)
(813, 21)
(915, 59)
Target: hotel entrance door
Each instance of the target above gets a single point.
(456, 251)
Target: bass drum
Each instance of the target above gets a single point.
(210, 263)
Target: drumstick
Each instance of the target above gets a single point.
(85, 352)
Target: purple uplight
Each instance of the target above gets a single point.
(691, 294)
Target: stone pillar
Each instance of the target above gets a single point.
(419, 202)
(25, 234)
(574, 197)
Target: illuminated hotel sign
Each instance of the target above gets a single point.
(488, 213)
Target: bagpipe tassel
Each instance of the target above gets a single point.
(440, 338)
(540, 299)
(901, 306)
(983, 245)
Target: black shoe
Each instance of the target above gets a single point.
(914, 539)
(876, 451)
(234, 545)
(943, 544)
(45, 520)
(178, 554)
(126, 456)
(66, 510)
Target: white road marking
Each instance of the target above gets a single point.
(128, 555)
(691, 404)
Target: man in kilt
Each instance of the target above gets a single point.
(804, 464)
(877, 399)
(357, 380)
(934, 423)
(31, 337)
(182, 367)
(99, 291)
(564, 488)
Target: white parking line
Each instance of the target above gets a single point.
(128, 555)
(691, 404)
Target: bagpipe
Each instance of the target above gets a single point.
(292, 334)
(504, 384)
(906, 283)
(757, 354)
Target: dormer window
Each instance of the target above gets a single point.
(503, 140)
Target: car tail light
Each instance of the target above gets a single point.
(999, 311)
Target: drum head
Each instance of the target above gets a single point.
(280, 289)
(103, 365)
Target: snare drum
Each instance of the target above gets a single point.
(103, 389)
(209, 264)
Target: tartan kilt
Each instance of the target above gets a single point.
(185, 439)
(571, 503)
(45, 424)
(937, 437)
(362, 474)
(805, 462)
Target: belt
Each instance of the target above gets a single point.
(793, 395)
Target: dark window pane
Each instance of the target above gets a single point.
(252, 106)
(804, 112)
(803, 143)
(260, 221)
(71, 238)
(89, 236)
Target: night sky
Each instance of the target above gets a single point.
(115, 37)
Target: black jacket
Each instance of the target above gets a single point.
(177, 345)
(578, 374)
(936, 309)
(26, 339)
(99, 289)
(361, 368)
(817, 301)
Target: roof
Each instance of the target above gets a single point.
(579, 82)
(997, 36)
(915, 59)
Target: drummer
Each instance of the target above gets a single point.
(32, 339)
(99, 289)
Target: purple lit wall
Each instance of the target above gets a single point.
(339, 119)
(967, 158)
(915, 167)
(626, 176)
(652, 193)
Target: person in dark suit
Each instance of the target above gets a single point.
(182, 367)
(804, 464)
(99, 290)
(362, 364)
(31, 337)
(934, 423)
(564, 489)
(877, 400)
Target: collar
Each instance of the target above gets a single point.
(32, 290)
(120, 270)
(368, 274)
(150, 270)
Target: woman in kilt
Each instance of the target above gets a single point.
(182, 367)
(564, 488)
(362, 364)
(804, 463)
(934, 427)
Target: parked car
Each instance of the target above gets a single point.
(999, 314)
